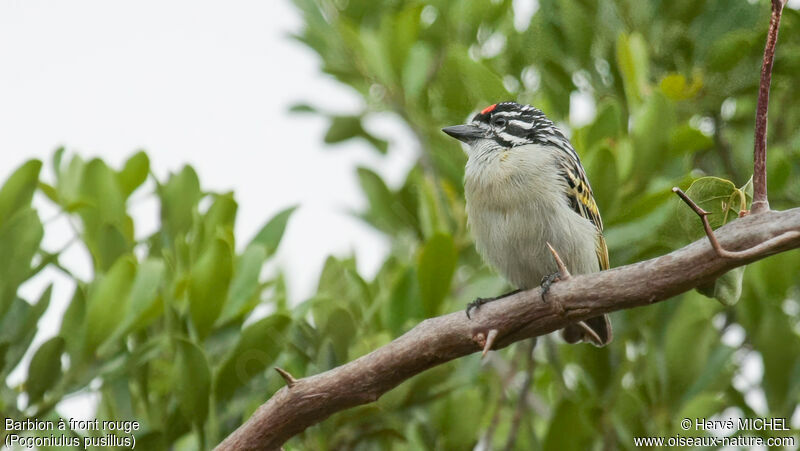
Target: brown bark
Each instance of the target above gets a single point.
(760, 201)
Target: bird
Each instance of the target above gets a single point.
(526, 189)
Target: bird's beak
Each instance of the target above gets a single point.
(465, 133)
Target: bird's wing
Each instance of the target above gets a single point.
(580, 198)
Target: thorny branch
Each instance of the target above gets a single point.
(753, 251)
(307, 401)
(517, 317)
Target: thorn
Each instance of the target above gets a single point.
(589, 331)
(562, 268)
(479, 339)
(290, 380)
(489, 341)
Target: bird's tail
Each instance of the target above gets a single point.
(596, 331)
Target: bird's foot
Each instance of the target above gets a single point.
(549, 280)
(477, 303)
(480, 301)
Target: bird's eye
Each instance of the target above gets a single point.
(499, 122)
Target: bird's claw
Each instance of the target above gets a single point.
(480, 301)
(476, 304)
(549, 280)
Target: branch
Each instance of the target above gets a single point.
(522, 397)
(760, 202)
(517, 317)
(753, 251)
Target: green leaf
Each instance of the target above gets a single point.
(435, 267)
(431, 216)
(601, 167)
(17, 192)
(58, 155)
(416, 70)
(607, 123)
(242, 295)
(376, 56)
(134, 173)
(45, 368)
(773, 338)
(347, 127)
(220, 218)
(68, 180)
(727, 289)
(633, 62)
(259, 345)
(652, 126)
(718, 367)
(688, 342)
(341, 328)
(4, 346)
(343, 128)
(676, 87)
(20, 236)
(192, 381)
(399, 33)
(302, 108)
(179, 197)
(106, 302)
(686, 139)
(485, 85)
(108, 244)
(208, 289)
(402, 306)
(108, 231)
(144, 292)
(726, 51)
(569, 428)
(50, 192)
(717, 196)
(72, 326)
(385, 212)
(18, 327)
(704, 405)
(723, 200)
(269, 237)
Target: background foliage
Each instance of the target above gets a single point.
(179, 330)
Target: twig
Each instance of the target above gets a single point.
(747, 253)
(760, 202)
(290, 380)
(523, 394)
(517, 317)
(506, 374)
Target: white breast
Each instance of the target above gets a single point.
(516, 204)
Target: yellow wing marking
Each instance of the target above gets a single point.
(580, 197)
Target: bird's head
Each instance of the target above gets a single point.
(502, 126)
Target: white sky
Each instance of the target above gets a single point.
(198, 82)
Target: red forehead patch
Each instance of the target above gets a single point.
(489, 109)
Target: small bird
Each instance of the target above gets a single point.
(525, 187)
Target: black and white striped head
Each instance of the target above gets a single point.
(510, 124)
